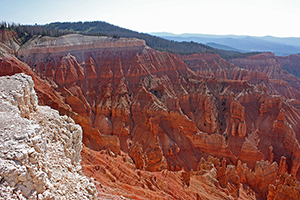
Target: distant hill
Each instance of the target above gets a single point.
(279, 46)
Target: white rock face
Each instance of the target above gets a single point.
(39, 149)
(75, 42)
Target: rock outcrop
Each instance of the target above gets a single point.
(40, 150)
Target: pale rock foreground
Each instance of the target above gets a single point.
(39, 149)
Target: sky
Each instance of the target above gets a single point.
(279, 18)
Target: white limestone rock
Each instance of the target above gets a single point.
(39, 149)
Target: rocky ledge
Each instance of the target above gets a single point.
(39, 149)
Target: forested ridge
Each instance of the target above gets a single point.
(99, 28)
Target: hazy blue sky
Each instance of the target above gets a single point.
(240, 17)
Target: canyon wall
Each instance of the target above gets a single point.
(156, 112)
(166, 114)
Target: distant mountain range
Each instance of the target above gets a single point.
(279, 46)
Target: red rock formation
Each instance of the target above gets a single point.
(237, 121)
(264, 182)
(260, 179)
(284, 188)
(147, 97)
(250, 154)
(225, 178)
(276, 68)
(209, 65)
(106, 87)
(69, 71)
(261, 128)
(169, 115)
(116, 176)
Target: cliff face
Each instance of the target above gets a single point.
(40, 150)
(160, 109)
(168, 112)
